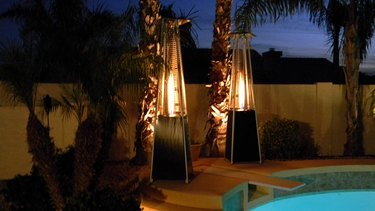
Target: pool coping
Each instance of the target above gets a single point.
(325, 169)
(315, 171)
(220, 187)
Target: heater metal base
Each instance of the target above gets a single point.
(171, 159)
(242, 144)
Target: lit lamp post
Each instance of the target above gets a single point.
(171, 155)
(242, 144)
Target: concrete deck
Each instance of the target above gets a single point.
(215, 179)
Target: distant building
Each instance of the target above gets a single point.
(270, 68)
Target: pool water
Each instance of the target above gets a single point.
(327, 201)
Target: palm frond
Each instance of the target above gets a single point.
(128, 24)
(192, 27)
(366, 25)
(18, 74)
(32, 15)
(74, 102)
(257, 12)
(47, 105)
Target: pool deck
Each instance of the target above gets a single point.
(216, 179)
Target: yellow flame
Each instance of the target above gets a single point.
(171, 94)
(241, 92)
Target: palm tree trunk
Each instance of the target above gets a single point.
(353, 145)
(144, 126)
(219, 90)
(43, 153)
(88, 143)
(150, 18)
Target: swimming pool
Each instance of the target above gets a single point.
(362, 200)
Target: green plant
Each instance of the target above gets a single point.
(283, 139)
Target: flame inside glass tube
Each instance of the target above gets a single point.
(171, 95)
(241, 92)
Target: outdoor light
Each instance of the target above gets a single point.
(171, 156)
(242, 143)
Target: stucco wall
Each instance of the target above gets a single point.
(322, 106)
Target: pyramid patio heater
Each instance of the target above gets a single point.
(242, 144)
(171, 155)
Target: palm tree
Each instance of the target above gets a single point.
(219, 90)
(102, 54)
(359, 28)
(149, 23)
(20, 72)
(358, 24)
(92, 46)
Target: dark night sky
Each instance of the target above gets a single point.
(295, 36)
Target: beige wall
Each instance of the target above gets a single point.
(14, 157)
(321, 105)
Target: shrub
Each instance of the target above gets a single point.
(104, 200)
(26, 192)
(29, 192)
(283, 139)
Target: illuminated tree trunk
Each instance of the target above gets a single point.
(150, 19)
(219, 90)
(353, 145)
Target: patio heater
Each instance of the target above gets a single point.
(171, 155)
(242, 144)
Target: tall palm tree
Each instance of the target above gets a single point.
(149, 23)
(358, 23)
(359, 28)
(219, 90)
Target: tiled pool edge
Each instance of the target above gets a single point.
(329, 178)
(319, 179)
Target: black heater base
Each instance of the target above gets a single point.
(171, 159)
(242, 143)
